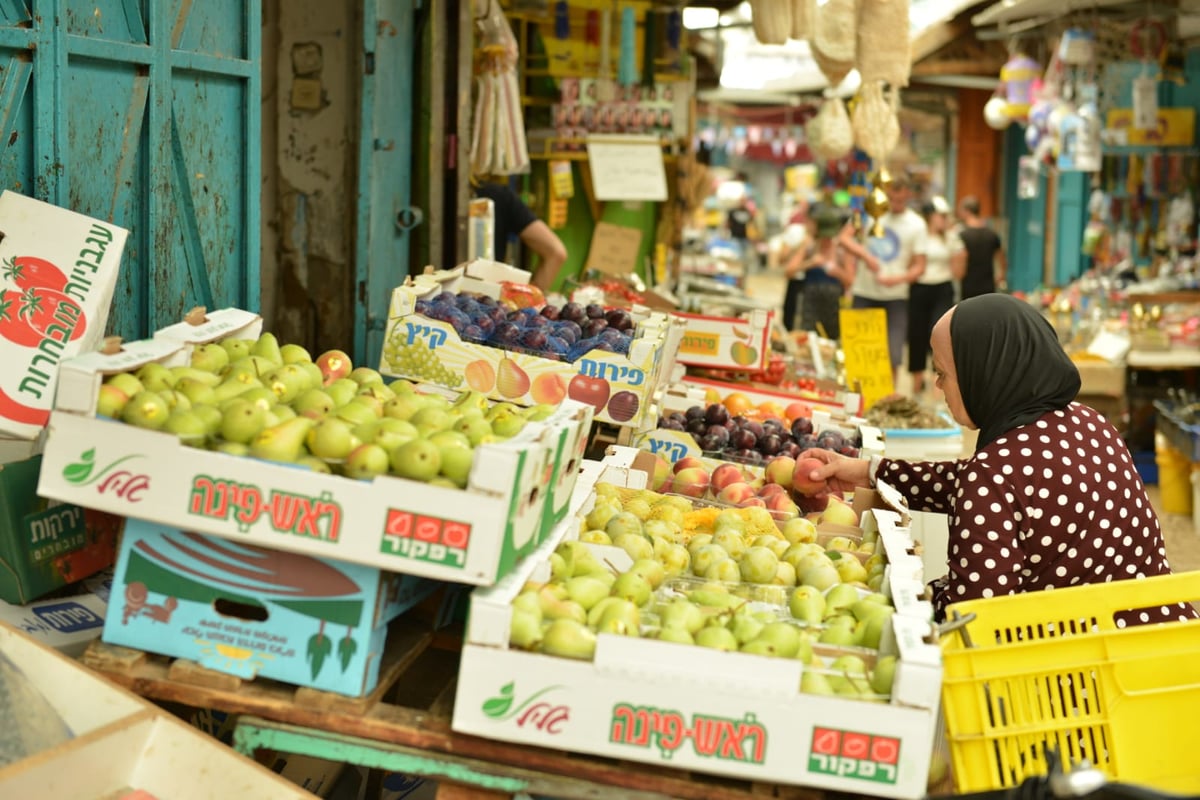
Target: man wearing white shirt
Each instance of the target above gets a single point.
(900, 261)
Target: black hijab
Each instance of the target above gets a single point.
(1011, 367)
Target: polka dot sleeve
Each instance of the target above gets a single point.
(928, 485)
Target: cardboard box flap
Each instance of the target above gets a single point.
(883, 496)
(201, 327)
(80, 377)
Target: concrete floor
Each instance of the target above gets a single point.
(1181, 537)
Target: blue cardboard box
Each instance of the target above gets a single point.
(249, 611)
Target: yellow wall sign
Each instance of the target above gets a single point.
(865, 351)
(1176, 128)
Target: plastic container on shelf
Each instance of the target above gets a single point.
(1174, 479)
(1031, 672)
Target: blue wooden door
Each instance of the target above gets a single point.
(385, 216)
(145, 113)
(1027, 220)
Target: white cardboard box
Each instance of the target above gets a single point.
(68, 624)
(58, 270)
(465, 536)
(683, 706)
(122, 742)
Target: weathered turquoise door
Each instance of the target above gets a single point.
(1027, 220)
(145, 113)
(385, 216)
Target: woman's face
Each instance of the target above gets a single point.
(937, 221)
(946, 377)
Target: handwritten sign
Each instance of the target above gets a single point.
(865, 350)
(627, 167)
(614, 249)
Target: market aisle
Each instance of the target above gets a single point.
(1182, 539)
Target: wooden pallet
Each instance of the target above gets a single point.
(411, 708)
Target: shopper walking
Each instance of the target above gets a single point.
(1050, 498)
(933, 293)
(899, 261)
(982, 264)
(515, 220)
(819, 277)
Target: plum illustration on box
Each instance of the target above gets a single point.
(250, 611)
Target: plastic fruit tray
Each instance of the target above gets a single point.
(1034, 671)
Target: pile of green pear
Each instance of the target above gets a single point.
(256, 398)
(741, 544)
(834, 627)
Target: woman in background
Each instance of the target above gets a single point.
(820, 276)
(933, 293)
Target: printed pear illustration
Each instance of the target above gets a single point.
(511, 380)
(250, 576)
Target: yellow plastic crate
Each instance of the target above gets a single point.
(1052, 668)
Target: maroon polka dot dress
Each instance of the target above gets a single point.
(1050, 504)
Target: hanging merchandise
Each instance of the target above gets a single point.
(804, 14)
(1145, 103)
(882, 54)
(1028, 173)
(830, 134)
(1077, 47)
(995, 113)
(834, 42)
(772, 20)
(649, 47)
(1018, 77)
(498, 145)
(875, 122)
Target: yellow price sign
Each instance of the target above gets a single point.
(701, 344)
(865, 352)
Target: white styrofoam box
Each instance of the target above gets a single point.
(932, 532)
(58, 270)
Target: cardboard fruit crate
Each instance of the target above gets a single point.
(1054, 669)
(125, 742)
(725, 342)
(691, 708)
(250, 611)
(58, 270)
(45, 546)
(619, 387)
(471, 535)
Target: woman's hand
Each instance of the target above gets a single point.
(837, 475)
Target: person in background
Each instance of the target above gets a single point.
(1050, 498)
(933, 293)
(899, 261)
(822, 273)
(742, 229)
(514, 219)
(981, 264)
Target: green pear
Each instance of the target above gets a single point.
(417, 460)
(506, 426)
(759, 647)
(731, 541)
(211, 416)
(528, 601)
(602, 511)
(241, 421)
(356, 412)
(813, 682)
(386, 432)
(622, 618)
(524, 630)
(331, 438)
(840, 597)
(745, 627)
(569, 639)
(476, 429)
(111, 401)
(155, 377)
(258, 366)
(586, 590)
(633, 587)
(560, 568)
(365, 376)
(197, 392)
(839, 631)
(680, 613)
(181, 372)
(366, 461)
(785, 574)
(210, 357)
(267, 346)
(314, 464)
(402, 386)
(651, 569)
(593, 536)
(188, 426)
(231, 388)
(146, 409)
(677, 635)
(725, 569)
(342, 391)
(237, 348)
(282, 442)
(287, 382)
(717, 638)
(539, 412)
(783, 637)
(471, 399)
(758, 565)
(127, 382)
(807, 604)
(294, 354)
(636, 545)
(314, 403)
(239, 449)
(456, 464)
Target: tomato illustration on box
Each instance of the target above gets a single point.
(58, 270)
(251, 611)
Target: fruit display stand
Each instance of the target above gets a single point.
(619, 386)
(404, 725)
(116, 744)
(470, 535)
(693, 708)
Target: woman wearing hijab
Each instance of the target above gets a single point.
(1050, 498)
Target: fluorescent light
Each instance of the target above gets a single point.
(700, 18)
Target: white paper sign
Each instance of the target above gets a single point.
(627, 167)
